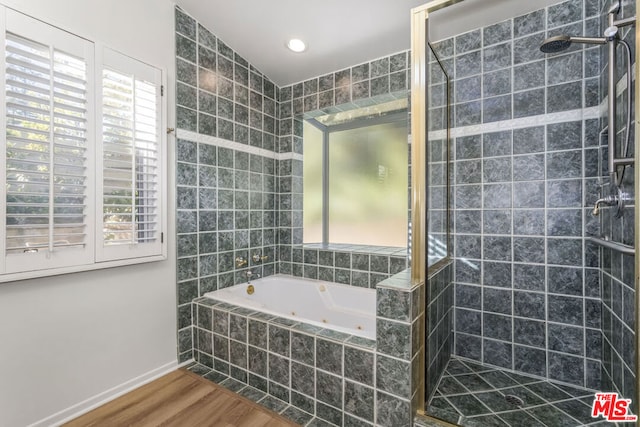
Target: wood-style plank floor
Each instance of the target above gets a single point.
(181, 399)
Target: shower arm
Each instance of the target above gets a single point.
(588, 40)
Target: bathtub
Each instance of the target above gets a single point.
(342, 308)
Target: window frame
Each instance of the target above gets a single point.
(401, 115)
(127, 254)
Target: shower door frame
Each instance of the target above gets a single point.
(419, 125)
(419, 195)
(636, 195)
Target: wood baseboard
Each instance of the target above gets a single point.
(91, 403)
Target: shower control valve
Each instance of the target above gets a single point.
(257, 258)
(618, 200)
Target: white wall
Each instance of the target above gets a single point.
(68, 341)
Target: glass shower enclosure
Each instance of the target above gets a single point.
(522, 155)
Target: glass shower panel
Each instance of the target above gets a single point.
(440, 291)
(437, 161)
(543, 265)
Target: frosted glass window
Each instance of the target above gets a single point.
(368, 185)
(366, 200)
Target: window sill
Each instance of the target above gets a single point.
(368, 249)
(13, 277)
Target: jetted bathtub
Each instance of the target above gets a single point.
(343, 308)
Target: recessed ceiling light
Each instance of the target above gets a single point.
(296, 45)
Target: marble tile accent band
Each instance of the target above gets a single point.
(519, 123)
(219, 142)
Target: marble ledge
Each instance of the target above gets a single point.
(400, 281)
(440, 268)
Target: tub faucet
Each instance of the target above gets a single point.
(257, 258)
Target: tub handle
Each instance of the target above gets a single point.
(257, 258)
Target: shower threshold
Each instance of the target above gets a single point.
(472, 395)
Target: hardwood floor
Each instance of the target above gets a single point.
(181, 399)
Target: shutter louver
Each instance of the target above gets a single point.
(130, 145)
(46, 143)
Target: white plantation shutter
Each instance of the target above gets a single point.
(130, 163)
(82, 171)
(47, 148)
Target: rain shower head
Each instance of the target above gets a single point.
(555, 44)
(559, 43)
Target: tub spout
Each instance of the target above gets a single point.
(249, 275)
(608, 200)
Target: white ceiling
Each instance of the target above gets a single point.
(338, 33)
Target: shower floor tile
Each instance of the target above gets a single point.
(473, 395)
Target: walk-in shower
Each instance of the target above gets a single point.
(616, 165)
(537, 310)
